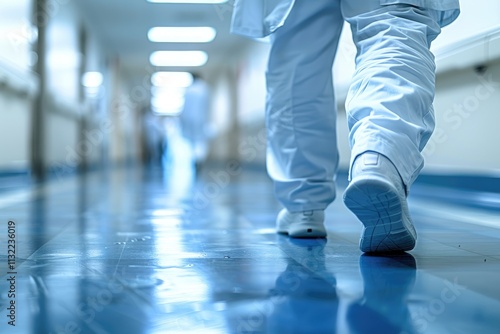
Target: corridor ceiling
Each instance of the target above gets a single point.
(122, 26)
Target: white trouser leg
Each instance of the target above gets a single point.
(389, 104)
(301, 112)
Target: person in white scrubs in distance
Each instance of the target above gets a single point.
(389, 108)
(193, 119)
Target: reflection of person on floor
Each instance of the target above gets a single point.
(154, 138)
(178, 163)
(387, 282)
(305, 298)
(193, 119)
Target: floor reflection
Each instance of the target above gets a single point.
(305, 298)
(387, 282)
(178, 163)
(125, 252)
(38, 220)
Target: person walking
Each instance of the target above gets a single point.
(389, 108)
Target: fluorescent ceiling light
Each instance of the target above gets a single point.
(178, 58)
(189, 1)
(182, 34)
(172, 79)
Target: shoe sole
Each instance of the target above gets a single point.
(307, 231)
(302, 229)
(377, 205)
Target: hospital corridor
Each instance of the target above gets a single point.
(145, 177)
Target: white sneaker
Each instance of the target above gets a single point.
(377, 197)
(305, 224)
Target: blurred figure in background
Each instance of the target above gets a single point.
(154, 134)
(193, 119)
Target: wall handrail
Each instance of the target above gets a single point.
(475, 50)
(19, 81)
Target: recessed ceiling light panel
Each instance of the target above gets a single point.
(178, 58)
(171, 79)
(182, 34)
(190, 1)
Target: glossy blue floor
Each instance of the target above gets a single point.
(143, 251)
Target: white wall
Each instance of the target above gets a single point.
(64, 148)
(466, 102)
(17, 84)
(61, 140)
(467, 123)
(16, 33)
(475, 18)
(61, 105)
(14, 131)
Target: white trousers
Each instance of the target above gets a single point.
(389, 104)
